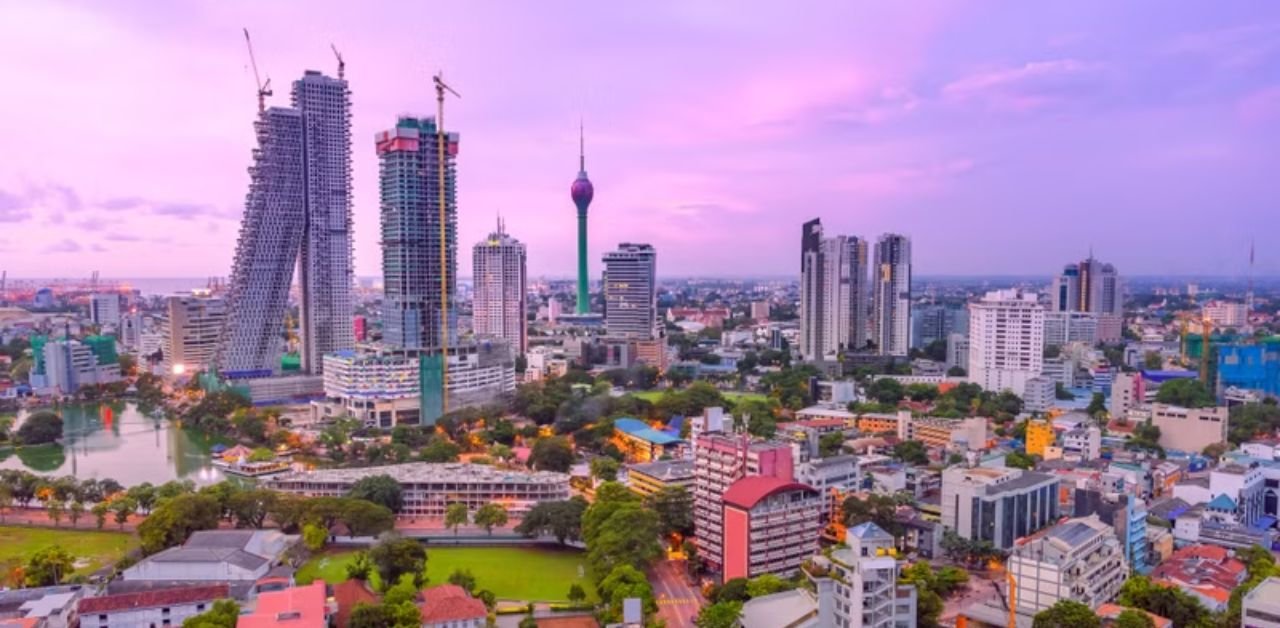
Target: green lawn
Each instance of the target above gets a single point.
(654, 395)
(92, 549)
(512, 573)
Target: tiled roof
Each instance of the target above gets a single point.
(151, 599)
(748, 491)
(347, 594)
(449, 602)
(298, 607)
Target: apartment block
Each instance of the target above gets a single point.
(771, 525)
(1080, 559)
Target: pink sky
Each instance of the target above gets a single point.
(1004, 138)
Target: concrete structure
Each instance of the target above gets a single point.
(190, 332)
(1261, 606)
(236, 557)
(719, 461)
(936, 323)
(418, 276)
(833, 293)
(771, 525)
(378, 389)
(1126, 393)
(582, 191)
(1006, 340)
(631, 291)
(796, 608)
(858, 586)
(999, 505)
(958, 351)
(653, 477)
(1040, 436)
(429, 488)
(104, 310)
(498, 305)
(1189, 429)
(1080, 559)
(1082, 443)
(1061, 328)
(1039, 394)
(160, 607)
(66, 365)
(891, 295)
(295, 607)
(969, 433)
(1253, 367)
(1225, 314)
(43, 607)
(1089, 286)
(760, 311)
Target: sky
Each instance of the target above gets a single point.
(1004, 138)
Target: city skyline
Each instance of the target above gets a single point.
(958, 128)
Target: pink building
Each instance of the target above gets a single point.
(719, 461)
(771, 525)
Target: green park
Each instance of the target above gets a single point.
(91, 550)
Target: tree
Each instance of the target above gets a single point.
(490, 516)
(48, 566)
(1130, 618)
(560, 519)
(394, 556)
(173, 521)
(249, 508)
(911, 452)
(380, 489)
(75, 511)
(576, 594)
(878, 509)
(929, 603)
(551, 454)
(363, 518)
(499, 451)
(1067, 614)
(624, 581)
(767, 584)
(604, 468)
(733, 590)
(1019, 460)
(100, 511)
(762, 425)
(1186, 392)
(674, 506)
(830, 444)
(456, 515)
(314, 537)
(957, 371)
(1097, 406)
(464, 579)
(1152, 361)
(441, 450)
(360, 567)
(366, 615)
(42, 426)
(122, 508)
(719, 615)
(144, 495)
(55, 509)
(223, 614)
(626, 533)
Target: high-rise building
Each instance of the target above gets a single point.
(1006, 340)
(891, 295)
(582, 192)
(833, 293)
(498, 307)
(1089, 286)
(999, 505)
(104, 309)
(1063, 327)
(190, 332)
(771, 525)
(934, 323)
(719, 461)
(630, 291)
(297, 212)
(413, 268)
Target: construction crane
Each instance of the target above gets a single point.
(1206, 326)
(441, 140)
(342, 65)
(264, 89)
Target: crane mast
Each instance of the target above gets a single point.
(264, 89)
(441, 140)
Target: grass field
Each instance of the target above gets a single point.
(512, 573)
(654, 395)
(92, 549)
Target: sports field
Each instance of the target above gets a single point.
(534, 574)
(92, 549)
(654, 395)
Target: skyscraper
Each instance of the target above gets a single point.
(582, 192)
(1006, 340)
(833, 299)
(409, 172)
(297, 211)
(891, 295)
(498, 308)
(630, 291)
(1089, 286)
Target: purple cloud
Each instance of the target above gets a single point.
(63, 246)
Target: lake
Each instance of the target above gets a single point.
(123, 444)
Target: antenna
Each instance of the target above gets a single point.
(342, 65)
(582, 147)
(264, 89)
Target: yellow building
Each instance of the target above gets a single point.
(1039, 436)
(878, 423)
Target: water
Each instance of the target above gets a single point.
(126, 445)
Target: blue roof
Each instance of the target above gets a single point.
(641, 430)
(868, 530)
(1222, 502)
(1162, 376)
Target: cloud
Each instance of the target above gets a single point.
(98, 248)
(1031, 86)
(184, 211)
(122, 237)
(173, 209)
(94, 223)
(1235, 47)
(39, 199)
(119, 204)
(63, 246)
(12, 208)
(1260, 106)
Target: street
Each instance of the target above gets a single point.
(678, 599)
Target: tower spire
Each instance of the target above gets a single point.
(582, 147)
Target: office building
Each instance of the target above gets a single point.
(190, 332)
(1061, 328)
(630, 292)
(68, 364)
(1252, 367)
(1039, 394)
(719, 461)
(419, 279)
(1189, 429)
(936, 323)
(958, 351)
(104, 310)
(582, 191)
(297, 212)
(771, 525)
(833, 293)
(760, 311)
(498, 305)
(857, 584)
(1079, 559)
(1006, 340)
(379, 390)
(1226, 314)
(999, 505)
(891, 295)
(1089, 286)
(1127, 515)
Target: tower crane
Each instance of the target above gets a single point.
(264, 89)
(441, 140)
(342, 65)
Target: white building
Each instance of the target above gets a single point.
(158, 607)
(630, 291)
(833, 293)
(70, 364)
(1125, 389)
(1189, 429)
(1039, 394)
(214, 556)
(498, 305)
(1061, 328)
(1261, 606)
(891, 295)
(862, 590)
(190, 332)
(1080, 559)
(104, 310)
(1226, 314)
(1084, 442)
(958, 351)
(378, 389)
(1006, 340)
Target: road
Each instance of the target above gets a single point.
(678, 599)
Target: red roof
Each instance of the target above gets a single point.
(449, 602)
(748, 491)
(298, 607)
(347, 594)
(1207, 568)
(152, 599)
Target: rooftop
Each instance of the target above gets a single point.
(642, 430)
(665, 469)
(297, 607)
(749, 491)
(796, 608)
(427, 472)
(449, 602)
(152, 599)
